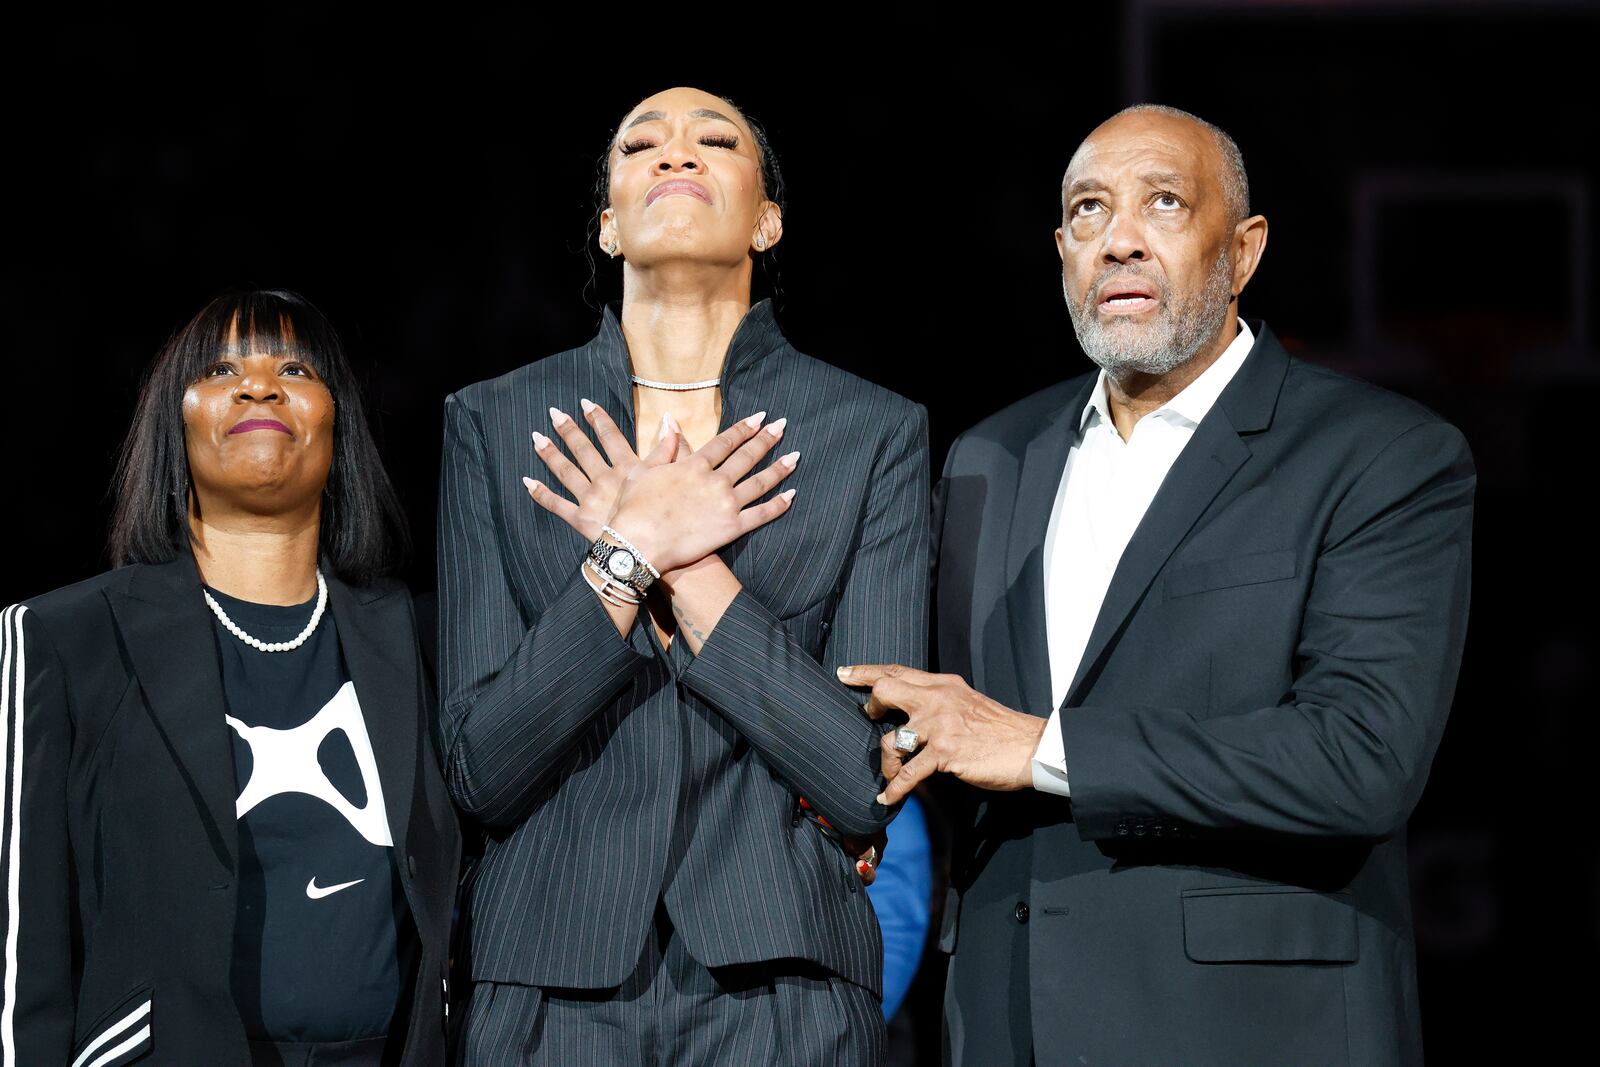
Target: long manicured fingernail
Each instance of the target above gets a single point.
(672, 423)
(844, 673)
(787, 496)
(776, 428)
(880, 800)
(559, 417)
(540, 441)
(790, 460)
(533, 486)
(666, 425)
(754, 421)
(587, 406)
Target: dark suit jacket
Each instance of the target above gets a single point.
(1251, 726)
(613, 773)
(119, 831)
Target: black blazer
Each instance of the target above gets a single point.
(1251, 726)
(613, 773)
(119, 829)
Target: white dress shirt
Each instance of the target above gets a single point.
(1105, 489)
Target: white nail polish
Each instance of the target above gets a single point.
(666, 424)
(587, 405)
(539, 440)
(788, 495)
(754, 421)
(531, 485)
(776, 429)
(790, 460)
(558, 417)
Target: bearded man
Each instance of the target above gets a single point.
(1202, 615)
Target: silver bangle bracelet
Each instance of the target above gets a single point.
(611, 598)
(637, 555)
(608, 588)
(612, 587)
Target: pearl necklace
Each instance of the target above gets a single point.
(676, 387)
(273, 646)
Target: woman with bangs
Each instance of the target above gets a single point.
(225, 838)
(638, 698)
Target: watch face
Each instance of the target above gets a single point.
(620, 564)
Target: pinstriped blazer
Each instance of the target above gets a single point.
(613, 774)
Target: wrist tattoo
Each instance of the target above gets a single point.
(688, 624)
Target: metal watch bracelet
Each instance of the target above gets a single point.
(621, 565)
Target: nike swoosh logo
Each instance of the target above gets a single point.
(316, 892)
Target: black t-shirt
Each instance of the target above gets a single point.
(323, 942)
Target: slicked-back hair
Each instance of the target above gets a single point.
(772, 189)
(1235, 181)
(363, 530)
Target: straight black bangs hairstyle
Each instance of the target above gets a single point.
(363, 533)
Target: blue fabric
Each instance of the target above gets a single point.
(900, 895)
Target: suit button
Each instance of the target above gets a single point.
(1139, 830)
(1021, 911)
(411, 865)
(1122, 829)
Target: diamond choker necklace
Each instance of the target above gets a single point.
(676, 387)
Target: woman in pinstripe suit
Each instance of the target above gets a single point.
(653, 888)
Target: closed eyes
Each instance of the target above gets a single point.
(713, 140)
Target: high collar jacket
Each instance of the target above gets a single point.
(120, 843)
(614, 773)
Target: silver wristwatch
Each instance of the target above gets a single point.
(621, 564)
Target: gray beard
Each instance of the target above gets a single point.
(1172, 338)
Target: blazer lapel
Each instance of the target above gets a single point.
(1207, 464)
(375, 634)
(168, 634)
(609, 351)
(1037, 484)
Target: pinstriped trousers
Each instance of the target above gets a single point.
(672, 1011)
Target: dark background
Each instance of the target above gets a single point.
(1428, 169)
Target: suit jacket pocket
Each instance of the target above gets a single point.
(1254, 569)
(809, 625)
(121, 1034)
(1267, 924)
